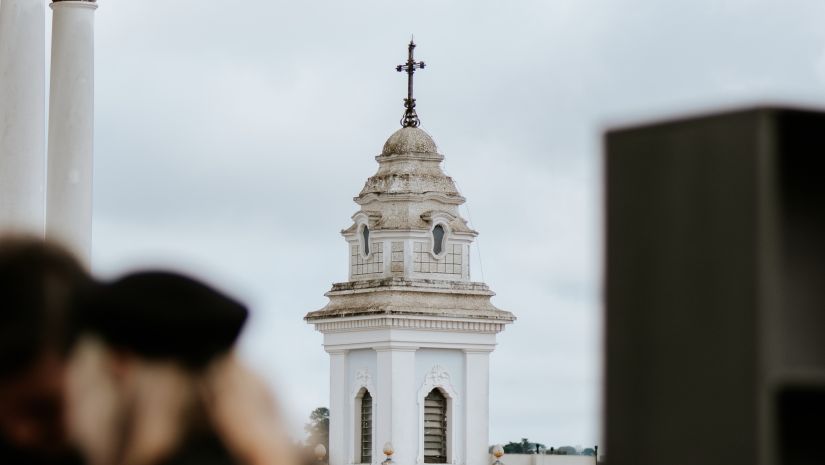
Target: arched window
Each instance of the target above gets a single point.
(438, 239)
(435, 427)
(365, 239)
(366, 428)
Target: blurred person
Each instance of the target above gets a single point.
(153, 379)
(37, 282)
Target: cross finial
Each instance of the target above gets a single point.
(410, 118)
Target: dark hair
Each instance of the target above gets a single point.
(38, 281)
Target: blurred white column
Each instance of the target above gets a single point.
(71, 126)
(22, 115)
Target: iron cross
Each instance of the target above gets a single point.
(410, 118)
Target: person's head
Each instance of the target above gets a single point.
(145, 343)
(38, 281)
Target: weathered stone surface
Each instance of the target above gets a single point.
(409, 140)
(410, 186)
(410, 164)
(400, 205)
(398, 296)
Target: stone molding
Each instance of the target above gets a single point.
(408, 323)
(450, 199)
(410, 156)
(91, 4)
(412, 285)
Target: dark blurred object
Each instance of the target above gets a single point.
(716, 290)
(162, 315)
(37, 282)
(153, 379)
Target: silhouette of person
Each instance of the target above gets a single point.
(153, 379)
(38, 281)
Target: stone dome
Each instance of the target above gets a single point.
(409, 140)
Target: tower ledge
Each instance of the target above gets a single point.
(416, 298)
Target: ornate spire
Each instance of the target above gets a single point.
(410, 119)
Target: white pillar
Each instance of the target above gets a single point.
(22, 115)
(382, 403)
(397, 415)
(337, 407)
(477, 387)
(71, 126)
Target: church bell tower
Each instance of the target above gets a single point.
(409, 334)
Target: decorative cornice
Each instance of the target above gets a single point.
(454, 199)
(412, 285)
(370, 216)
(437, 214)
(422, 234)
(394, 347)
(339, 325)
(485, 350)
(410, 156)
(87, 4)
(336, 351)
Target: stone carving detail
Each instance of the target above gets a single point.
(438, 376)
(362, 377)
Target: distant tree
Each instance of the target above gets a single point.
(589, 451)
(318, 428)
(513, 448)
(523, 447)
(566, 450)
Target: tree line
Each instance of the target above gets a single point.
(525, 446)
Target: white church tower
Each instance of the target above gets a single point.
(409, 334)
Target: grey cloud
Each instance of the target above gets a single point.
(231, 138)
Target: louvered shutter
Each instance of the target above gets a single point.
(366, 428)
(435, 427)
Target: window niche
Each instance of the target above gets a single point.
(365, 429)
(365, 240)
(438, 240)
(435, 427)
(437, 404)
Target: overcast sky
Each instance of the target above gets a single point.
(231, 137)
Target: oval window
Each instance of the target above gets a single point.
(438, 239)
(365, 235)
